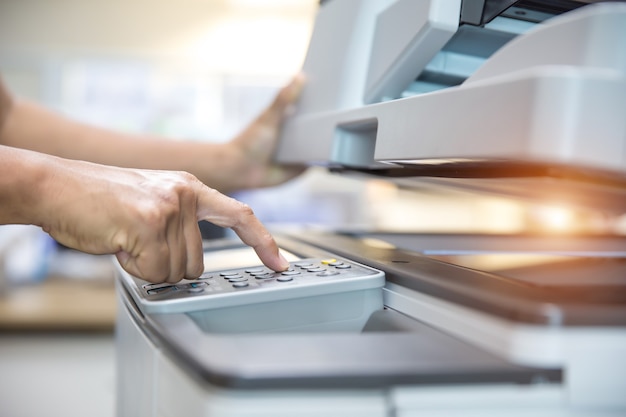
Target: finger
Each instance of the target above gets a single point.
(150, 263)
(254, 234)
(175, 241)
(183, 236)
(168, 258)
(285, 98)
(195, 254)
(228, 212)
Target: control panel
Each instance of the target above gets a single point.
(255, 284)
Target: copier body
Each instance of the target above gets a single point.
(484, 95)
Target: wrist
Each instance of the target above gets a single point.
(220, 166)
(24, 177)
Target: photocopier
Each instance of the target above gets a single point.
(524, 98)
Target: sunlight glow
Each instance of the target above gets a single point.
(556, 218)
(252, 45)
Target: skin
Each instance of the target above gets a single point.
(140, 198)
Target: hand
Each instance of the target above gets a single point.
(244, 162)
(148, 219)
(255, 145)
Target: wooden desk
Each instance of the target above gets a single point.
(59, 305)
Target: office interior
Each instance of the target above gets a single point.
(191, 70)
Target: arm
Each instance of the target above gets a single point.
(244, 162)
(147, 218)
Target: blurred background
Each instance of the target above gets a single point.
(187, 70)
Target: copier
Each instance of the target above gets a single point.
(524, 98)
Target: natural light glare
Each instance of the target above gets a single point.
(246, 45)
(556, 218)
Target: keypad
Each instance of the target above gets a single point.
(247, 279)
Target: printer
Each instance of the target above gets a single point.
(521, 98)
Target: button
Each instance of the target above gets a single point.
(228, 275)
(162, 290)
(290, 273)
(327, 273)
(240, 284)
(255, 270)
(343, 266)
(256, 274)
(206, 275)
(284, 279)
(240, 279)
(328, 261)
(195, 290)
(317, 269)
(303, 264)
(264, 276)
(155, 286)
(197, 284)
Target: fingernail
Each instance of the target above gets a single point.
(283, 262)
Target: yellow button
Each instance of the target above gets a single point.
(328, 261)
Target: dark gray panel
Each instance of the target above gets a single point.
(392, 350)
(508, 298)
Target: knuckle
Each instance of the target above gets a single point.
(187, 177)
(244, 214)
(162, 206)
(155, 215)
(183, 181)
(245, 210)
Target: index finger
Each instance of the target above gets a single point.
(225, 211)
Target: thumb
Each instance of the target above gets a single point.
(287, 96)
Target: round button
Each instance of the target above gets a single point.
(256, 274)
(239, 279)
(230, 274)
(343, 266)
(240, 284)
(290, 273)
(327, 273)
(264, 276)
(233, 277)
(284, 279)
(195, 290)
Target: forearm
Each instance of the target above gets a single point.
(23, 193)
(244, 162)
(32, 127)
